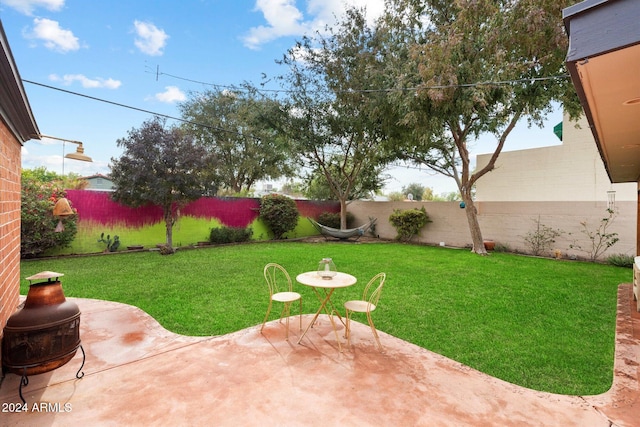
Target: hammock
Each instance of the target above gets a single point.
(343, 234)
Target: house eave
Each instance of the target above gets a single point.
(15, 110)
(603, 60)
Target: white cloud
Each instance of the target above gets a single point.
(54, 37)
(284, 19)
(170, 95)
(86, 82)
(150, 39)
(28, 6)
(325, 11)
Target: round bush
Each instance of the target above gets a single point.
(409, 222)
(279, 213)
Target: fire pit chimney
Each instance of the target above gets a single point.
(44, 334)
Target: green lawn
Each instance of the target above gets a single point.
(540, 323)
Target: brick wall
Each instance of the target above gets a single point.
(9, 224)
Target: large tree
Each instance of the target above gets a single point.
(335, 120)
(465, 68)
(162, 166)
(234, 125)
(365, 186)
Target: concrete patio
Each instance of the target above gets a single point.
(139, 374)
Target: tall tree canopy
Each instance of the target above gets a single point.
(464, 68)
(162, 166)
(235, 127)
(336, 127)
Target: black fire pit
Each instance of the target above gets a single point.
(44, 334)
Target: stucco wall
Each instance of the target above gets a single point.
(572, 171)
(508, 222)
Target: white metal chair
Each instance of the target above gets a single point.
(281, 290)
(369, 302)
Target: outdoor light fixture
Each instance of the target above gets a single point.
(78, 155)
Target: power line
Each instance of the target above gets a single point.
(117, 104)
(158, 73)
(387, 90)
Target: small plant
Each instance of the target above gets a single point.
(372, 229)
(222, 235)
(166, 249)
(408, 222)
(621, 260)
(112, 245)
(600, 239)
(279, 213)
(541, 239)
(502, 247)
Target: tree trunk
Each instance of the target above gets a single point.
(474, 225)
(343, 214)
(168, 222)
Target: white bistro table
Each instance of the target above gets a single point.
(327, 286)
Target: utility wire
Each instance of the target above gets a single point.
(117, 104)
(412, 89)
(407, 89)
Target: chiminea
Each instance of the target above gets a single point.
(44, 334)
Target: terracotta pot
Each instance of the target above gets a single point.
(489, 245)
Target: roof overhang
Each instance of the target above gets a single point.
(15, 110)
(604, 63)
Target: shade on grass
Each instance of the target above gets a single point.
(540, 323)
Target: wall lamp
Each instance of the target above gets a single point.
(78, 155)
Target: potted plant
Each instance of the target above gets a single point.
(489, 244)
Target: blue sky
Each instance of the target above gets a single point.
(113, 50)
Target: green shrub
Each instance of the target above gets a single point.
(38, 233)
(332, 219)
(409, 222)
(502, 247)
(621, 260)
(279, 213)
(230, 235)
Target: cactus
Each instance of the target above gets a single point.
(112, 245)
